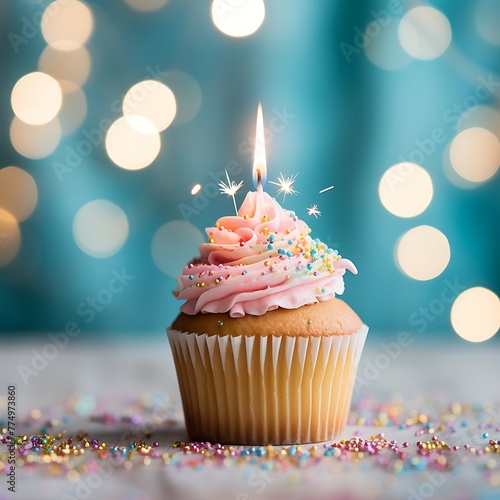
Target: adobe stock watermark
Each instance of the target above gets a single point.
(331, 243)
(88, 310)
(362, 38)
(223, 7)
(426, 147)
(95, 137)
(371, 369)
(420, 319)
(210, 190)
(31, 27)
(87, 484)
(279, 120)
(259, 482)
(434, 481)
(162, 411)
(474, 435)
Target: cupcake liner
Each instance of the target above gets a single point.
(266, 389)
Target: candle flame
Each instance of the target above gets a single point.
(259, 160)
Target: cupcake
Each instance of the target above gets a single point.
(264, 351)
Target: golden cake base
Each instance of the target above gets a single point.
(267, 389)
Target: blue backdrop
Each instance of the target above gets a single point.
(334, 116)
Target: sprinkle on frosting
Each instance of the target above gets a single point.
(261, 259)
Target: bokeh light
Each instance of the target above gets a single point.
(74, 107)
(423, 253)
(67, 25)
(480, 116)
(475, 314)
(100, 228)
(383, 48)
(187, 95)
(10, 237)
(405, 189)
(451, 173)
(401, 103)
(475, 154)
(73, 66)
(153, 100)
(238, 19)
(146, 5)
(174, 244)
(424, 32)
(18, 192)
(133, 142)
(487, 20)
(36, 98)
(35, 141)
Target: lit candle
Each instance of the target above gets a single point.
(255, 201)
(259, 160)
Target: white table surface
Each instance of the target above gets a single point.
(112, 374)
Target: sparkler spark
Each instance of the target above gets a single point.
(326, 189)
(230, 189)
(196, 189)
(285, 185)
(313, 210)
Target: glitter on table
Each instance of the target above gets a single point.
(111, 439)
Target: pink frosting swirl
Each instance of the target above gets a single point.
(260, 260)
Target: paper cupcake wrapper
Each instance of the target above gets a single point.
(266, 390)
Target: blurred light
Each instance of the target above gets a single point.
(451, 173)
(133, 142)
(146, 5)
(238, 19)
(424, 32)
(475, 154)
(73, 66)
(36, 98)
(67, 24)
(187, 95)
(173, 244)
(100, 228)
(18, 192)
(405, 189)
(475, 314)
(196, 189)
(423, 253)
(383, 48)
(480, 116)
(74, 107)
(152, 100)
(35, 141)
(487, 20)
(10, 237)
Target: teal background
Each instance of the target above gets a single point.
(351, 121)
